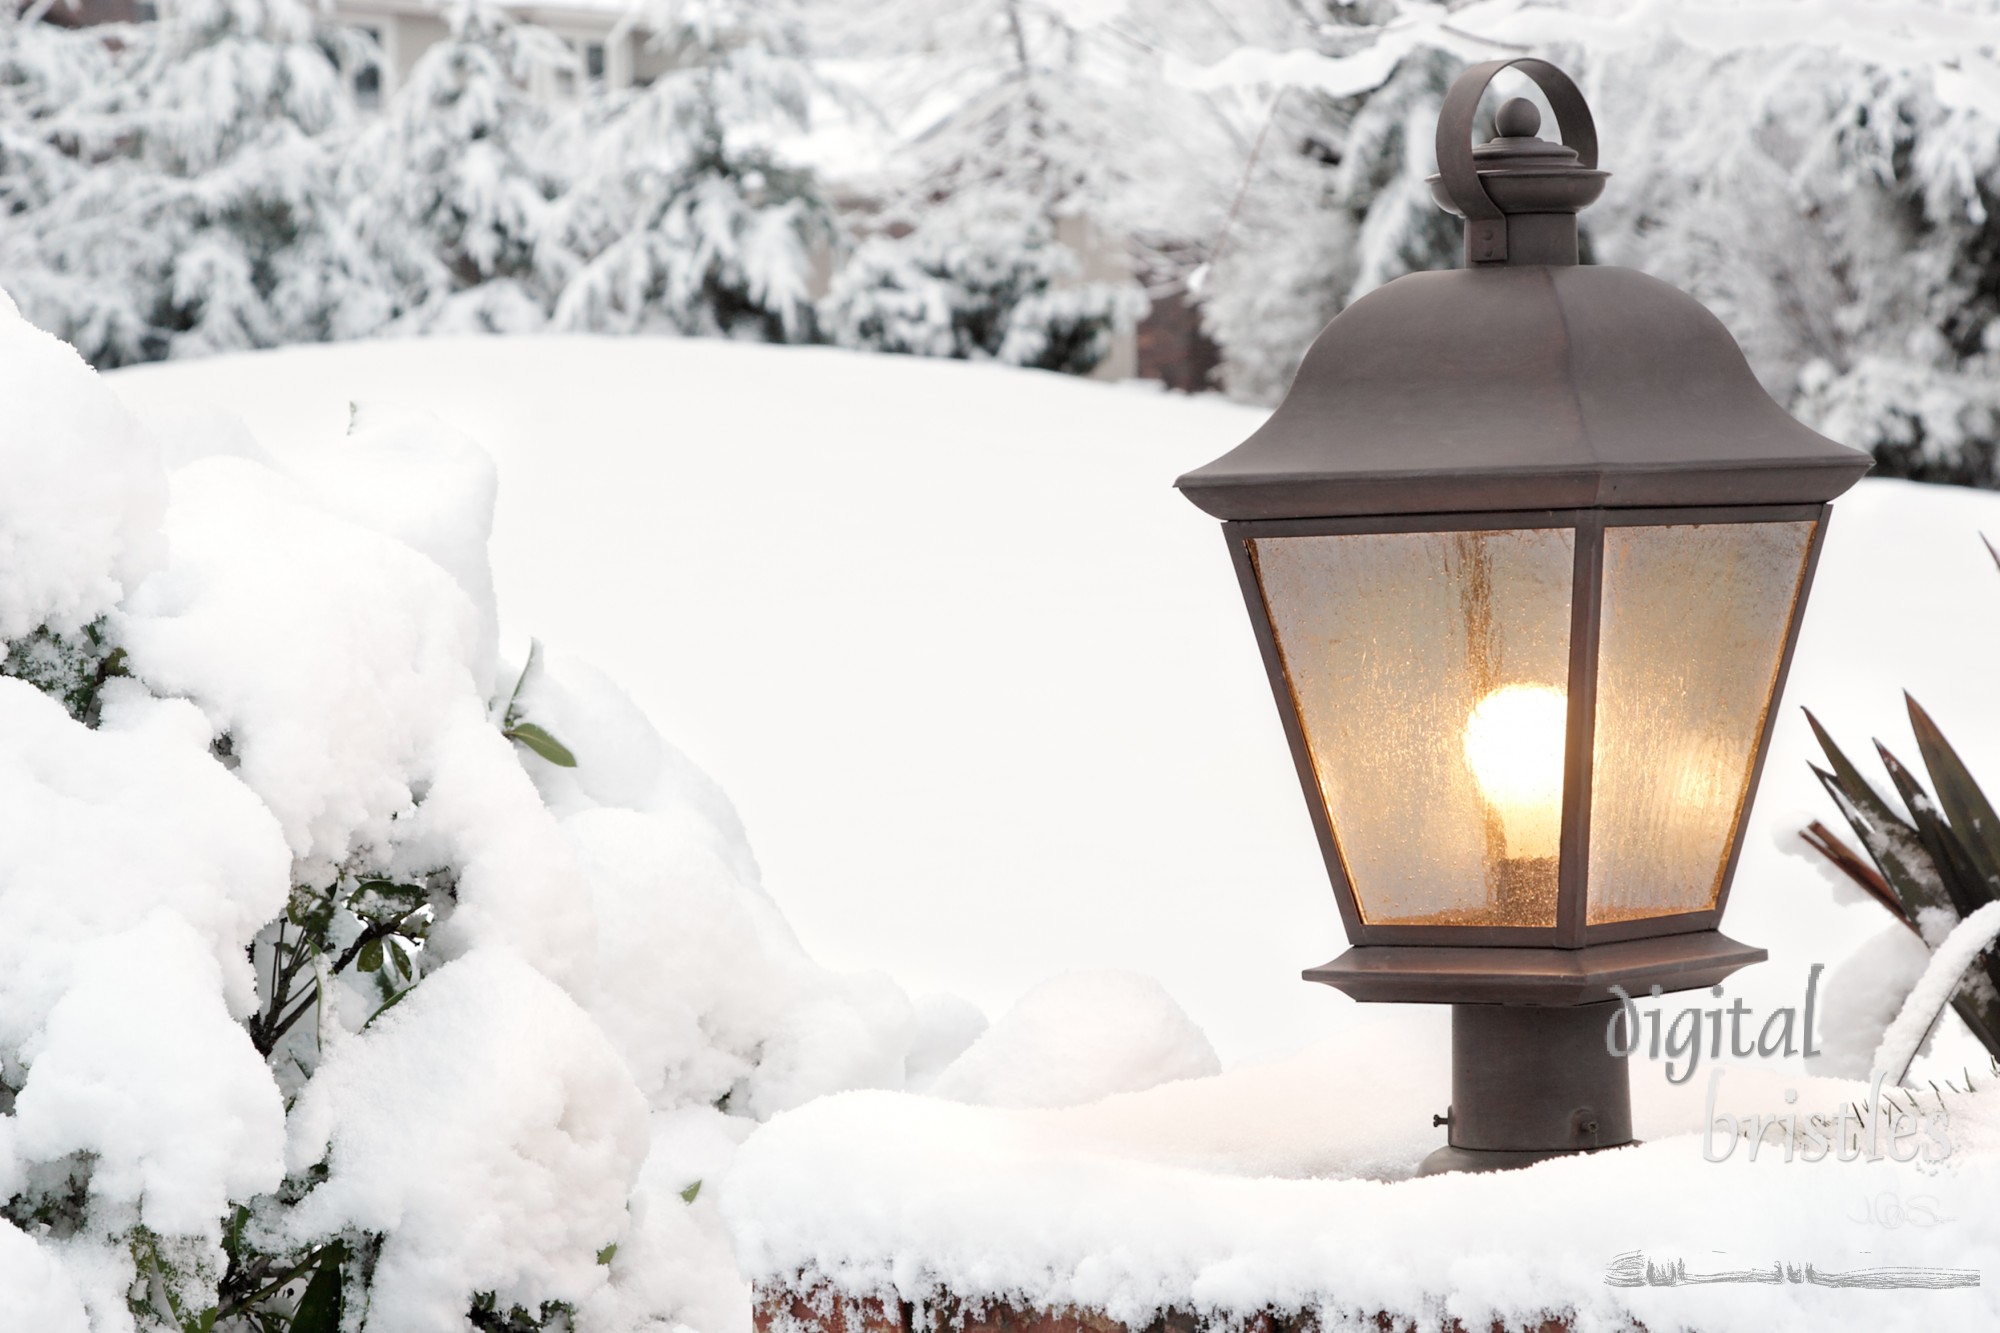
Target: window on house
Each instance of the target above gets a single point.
(593, 61)
(368, 75)
(144, 11)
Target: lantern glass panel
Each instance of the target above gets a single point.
(1429, 672)
(1693, 629)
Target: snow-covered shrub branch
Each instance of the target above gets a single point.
(331, 997)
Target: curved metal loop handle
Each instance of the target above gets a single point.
(1456, 165)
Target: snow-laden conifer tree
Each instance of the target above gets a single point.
(202, 219)
(690, 217)
(996, 292)
(62, 263)
(1333, 206)
(1043, 132)
(1840, 217)
(452, 189)
(229, 102)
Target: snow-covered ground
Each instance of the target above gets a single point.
(980, 682)
(1264, 1189)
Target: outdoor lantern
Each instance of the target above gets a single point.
(1526, 548)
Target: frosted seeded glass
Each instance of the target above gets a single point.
(1694, 623)
(1429, 671)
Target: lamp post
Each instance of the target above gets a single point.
(1526, 548)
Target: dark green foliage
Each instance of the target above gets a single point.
(301, 1291)
(555, 1317)
(319, 1309)
(1938, 856)
(388, 924)
(53, 1200)
(70, 668)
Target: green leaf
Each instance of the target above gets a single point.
(1890, 841)
(1857, 789)
(608, 1253)
(543, 744)
(319, 1308)
(405, 895)
(370, 959)
(513, 713)
(389, 1004)
(1956, 873)
(1957, 879)
(688, 1194)
(1971, 815)
(399, 954)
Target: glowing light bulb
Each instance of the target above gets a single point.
(1514, 741)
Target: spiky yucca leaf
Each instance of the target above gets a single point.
(1945, 858)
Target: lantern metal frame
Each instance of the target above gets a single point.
(1571, 929)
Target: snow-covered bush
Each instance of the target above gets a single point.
(989, 293)
(690, 220)
(350, 978)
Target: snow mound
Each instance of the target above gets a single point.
(1863, 995)
(486, 1171)
(80, 513)
(40, 1295)
(1078, 1038)
(1237, 1197)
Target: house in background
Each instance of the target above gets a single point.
(606, 38)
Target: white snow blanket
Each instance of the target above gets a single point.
(1284, 1187)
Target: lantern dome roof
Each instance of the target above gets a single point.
(1528, 386)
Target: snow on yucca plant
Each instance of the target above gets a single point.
(348, 981)
(1931, 864)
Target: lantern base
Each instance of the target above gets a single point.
(1506, 976)
(1530, 1082)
